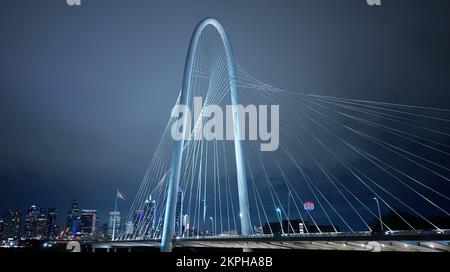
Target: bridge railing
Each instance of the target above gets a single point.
(322, 234)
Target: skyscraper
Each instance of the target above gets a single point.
(144, 220)
(52, 228)
(129, 229)
(88, 222)
(73, 218)
(103, 230)
(185, 225)
(41, 224)
(138, 223)
(1, 229)
(12, 221)
(114, 215)
(179, 214)
(149, 218)
(31, 222)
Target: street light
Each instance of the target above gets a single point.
(279, 219)
(379, 213)
(240, 219)
(204, 216)
(289, 211)
(212, 225)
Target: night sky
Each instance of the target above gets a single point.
(85, 92)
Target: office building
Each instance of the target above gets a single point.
(185, 225)
(12, 221)
(73, 218)
(52, 228)
(88, 222)
(41, 224)
(129, 229)
(31, 221)
(149, 218)
(114, 216)
(179, 214)
(1, 229)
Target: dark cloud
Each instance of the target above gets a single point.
(85, 91)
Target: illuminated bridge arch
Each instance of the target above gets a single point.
(177, 151)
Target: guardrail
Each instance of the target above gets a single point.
(323, 234)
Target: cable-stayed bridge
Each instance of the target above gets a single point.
(344, 174)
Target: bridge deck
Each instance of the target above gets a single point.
(408, 243)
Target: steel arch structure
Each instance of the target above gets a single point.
(177, 151)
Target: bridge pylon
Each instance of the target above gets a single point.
(177, 151)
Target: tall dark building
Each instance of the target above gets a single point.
(179, 214)
(143, 221)
(114, 216)
(88, 222)
(73, 218)
(52, 228)
(1, 229)
(41, 224)
(104, 230)
(149, 218)
(138, 222)
(12, 221)
(31, 221)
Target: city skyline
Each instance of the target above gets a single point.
(42, 223)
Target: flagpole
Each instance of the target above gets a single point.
(114, 219)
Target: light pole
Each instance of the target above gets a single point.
(212, 225)
(289, 211)
(240, 220)
(204, 216)
(279, 219)
(379, 213)
(114, 220)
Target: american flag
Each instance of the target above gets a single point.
(120, 195)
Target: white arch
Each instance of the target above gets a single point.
(177, 151)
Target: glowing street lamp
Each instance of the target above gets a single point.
(379, 213)
(212, 225)
(278, 210)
